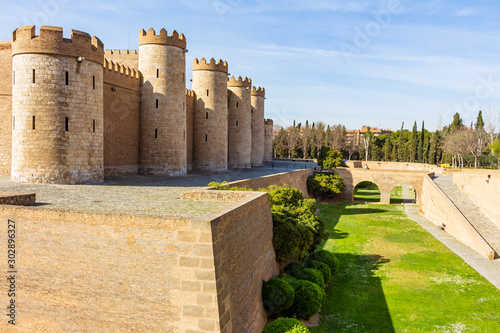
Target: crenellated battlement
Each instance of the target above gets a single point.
(258, 92)
(122, 76)
(150, 37)
(190, 93)
(122, 52)
(268, 122)
(202, 65)
(244, 83)
(51, 41)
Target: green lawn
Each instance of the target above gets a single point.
(395, 277)
(367, 192)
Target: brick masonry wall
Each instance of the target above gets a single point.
(17, 199)
(5, 107)
(268, 141)
(210, 135)
(122, 273)
(49, 153)
(129, 58)
(257, 156)
(483, 187)
(163, 128)
(122, 109)
(190, 103)
(244, 257)
(239, 127)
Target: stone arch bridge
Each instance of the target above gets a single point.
(386, 180)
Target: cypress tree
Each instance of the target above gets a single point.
(414, 143)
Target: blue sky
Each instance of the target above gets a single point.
(356, 63)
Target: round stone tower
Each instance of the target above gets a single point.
(57, 107)
(210, 144)
(240, 121)
(162, 62)
(268, 140)
(257, 112)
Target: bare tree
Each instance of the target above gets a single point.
(493, 122)
(337, 137)
(319, 136)
(293, 141)
(366, 141)
(454, 144)
(351, 148)
(476, 142)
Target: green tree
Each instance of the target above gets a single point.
(414, 143)
(495, 150)
(420, 149)
(457, 123)
(387, 149)
(401, 144)
(480, 121)
(394, 155)
(432, 148)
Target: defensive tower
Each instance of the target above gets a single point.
(268, 140)
(162, 62)
(258, 97)
(57, 108)
(211, 115)
(240, 121)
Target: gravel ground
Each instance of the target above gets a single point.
(139, 194)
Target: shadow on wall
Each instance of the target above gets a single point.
(356, 300)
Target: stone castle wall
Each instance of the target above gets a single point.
(210, 143)
(190, 104)
(163, 107)
(122, 273)
(129, 58)
(5, 107)
(239, 124)
(268, 140)
(257, 156)
(173, 137)
(122, 107)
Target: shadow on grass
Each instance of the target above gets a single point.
(355, 300)
(358, 211)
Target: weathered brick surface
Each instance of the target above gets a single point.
(122, 107)
(240, 122)
(129, 58)
(190, 103)
(257, 156)
(5, 107)
(210, 151)
(49, 153)
(163, 114)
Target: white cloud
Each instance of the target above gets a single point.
(466, 12)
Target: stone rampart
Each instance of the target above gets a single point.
(483, 188)
(440, 210)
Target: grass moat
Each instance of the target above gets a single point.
(396, 277)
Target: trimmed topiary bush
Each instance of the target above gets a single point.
(286, 325)
(312, 275)
(321, 266)
(277, 295)
(288, 278)
(309, 298)
(293, 268)
(328, 258)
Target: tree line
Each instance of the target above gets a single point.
(456, 144)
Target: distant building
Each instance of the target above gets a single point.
(355, 135)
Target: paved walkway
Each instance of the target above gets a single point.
(490, 269)
(486, 228)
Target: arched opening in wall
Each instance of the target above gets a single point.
(403, 194)
(367, 192)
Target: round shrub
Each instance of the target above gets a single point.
(287, 277)
(328, 258)
(277, 295)
(293, 268)
(321, 266)
(312, 275)
(286, 325)
(309, 298)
